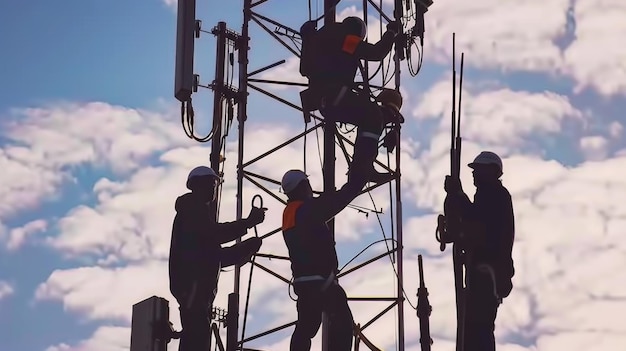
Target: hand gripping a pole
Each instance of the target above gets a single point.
(245, 312)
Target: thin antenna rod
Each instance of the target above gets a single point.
(453, 170)
(458, 120)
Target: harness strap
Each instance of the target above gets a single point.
(331, 279)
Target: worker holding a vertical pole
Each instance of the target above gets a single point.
(489, 227)
(196, 255)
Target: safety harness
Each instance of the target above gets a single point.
(331, 279)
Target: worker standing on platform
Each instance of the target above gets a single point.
(196, 255)
(330, 59)
(311, 247)
(489, 227)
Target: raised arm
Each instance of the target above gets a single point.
(378, 51)
(229, 231)
(328, 205)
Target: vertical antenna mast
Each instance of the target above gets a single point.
(242, 105)
(453, 169)
(458, 120)
(398, 57)
(328, 170)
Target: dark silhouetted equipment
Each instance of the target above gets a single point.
(449, 226)
(423, 309)
(186, 32)
(151, 329)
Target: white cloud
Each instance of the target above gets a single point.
(497, 116)
(107, 338)
(81, 292)
(615, 129)
(594, 148)
(171, 3)
(6, 289)
(497, 34)
(519, 35)
(56, 136)
(46, 144)
(18, 236)
(22, 185)
(596, 58)
(504, 121)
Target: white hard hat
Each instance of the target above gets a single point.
(291, 179)
(201, 171)
(487, 158)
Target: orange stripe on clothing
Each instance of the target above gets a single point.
(289, 214)
(350, 43)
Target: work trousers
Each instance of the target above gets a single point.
(311, 303)
(348, 106)
(195, 317)
(480, 314)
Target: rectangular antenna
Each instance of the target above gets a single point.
(185, 37)
(149, 317)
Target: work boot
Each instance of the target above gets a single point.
(378, 177)
(362, 165)
(391, 115)
(371, 175)
(391, 140)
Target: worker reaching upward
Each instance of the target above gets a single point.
(196, 255)
(489, 225)
(311, 247)
(330, 59)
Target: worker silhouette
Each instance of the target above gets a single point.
(330, 59)
(312, 252)
(196, 255)
(489, 225)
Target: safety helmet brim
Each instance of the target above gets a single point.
(201, 171)
(487, 158)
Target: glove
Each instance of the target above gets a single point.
(394, 27)
(240, 253)
(256, 216)
(452, 185)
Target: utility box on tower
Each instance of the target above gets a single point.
(149, 326)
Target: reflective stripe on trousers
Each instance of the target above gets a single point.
(331, 279)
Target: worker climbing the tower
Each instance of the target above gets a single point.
(330, 59)
(196, 255)
(312, 252)
(489, 227)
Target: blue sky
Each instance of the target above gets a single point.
(94, 156)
